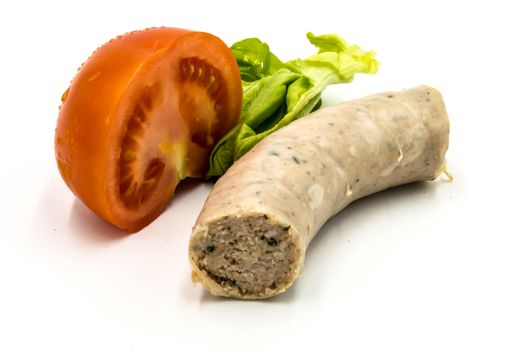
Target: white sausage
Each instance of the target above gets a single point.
(250, 238)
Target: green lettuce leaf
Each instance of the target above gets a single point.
(254, 59)
(276, 93)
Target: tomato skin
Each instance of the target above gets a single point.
(94, 119)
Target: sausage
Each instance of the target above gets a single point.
(251, 236)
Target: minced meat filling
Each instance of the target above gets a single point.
(249, 253)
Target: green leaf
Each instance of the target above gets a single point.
(223, 153)
(276, 93)
(254, 59)
(266, 96)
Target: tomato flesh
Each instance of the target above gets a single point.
(142, 114)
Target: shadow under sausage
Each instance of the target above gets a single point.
(370, 205)
(369, 208)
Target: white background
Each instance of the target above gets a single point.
(428, 266)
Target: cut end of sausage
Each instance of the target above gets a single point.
(248, 256)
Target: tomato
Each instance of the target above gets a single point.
(143, 113)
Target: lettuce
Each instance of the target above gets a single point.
(277, 93)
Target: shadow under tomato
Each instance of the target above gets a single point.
(90, 227)
(87, 226)
(184, 189)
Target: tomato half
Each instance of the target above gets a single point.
(142, 113)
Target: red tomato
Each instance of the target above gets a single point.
(143, 113)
